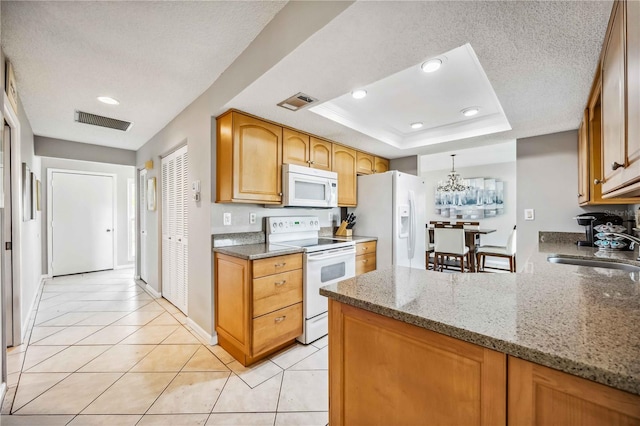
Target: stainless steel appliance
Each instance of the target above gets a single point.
(307, 187)
(325, 261)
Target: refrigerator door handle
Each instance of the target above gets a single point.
(412, 229)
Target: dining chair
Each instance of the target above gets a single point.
(429, 239)
(508, 251)
(449, 241)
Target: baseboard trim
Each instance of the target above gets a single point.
(127, 266)
(32, 309)
(152, 292)
(213, 340)
(3, 392)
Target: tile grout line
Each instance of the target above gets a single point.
(275, 418)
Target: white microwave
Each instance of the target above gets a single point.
(307, 187)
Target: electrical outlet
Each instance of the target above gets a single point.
(252, 218)
(226, 219)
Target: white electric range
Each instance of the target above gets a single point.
(325, 261)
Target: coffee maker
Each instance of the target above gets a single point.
(590, 220)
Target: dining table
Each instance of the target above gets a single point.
(471, 234)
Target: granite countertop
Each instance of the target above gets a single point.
(356, 238)
(581, 320)
(256, 251)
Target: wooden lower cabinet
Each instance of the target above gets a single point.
(543, 396)
(365, 257)
(258, 304)
(386, 372)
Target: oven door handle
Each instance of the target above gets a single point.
(331, 255)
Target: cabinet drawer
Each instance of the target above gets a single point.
(276, 291)
(365, 263)
(365, 248)
(275, 265)
(278, 327)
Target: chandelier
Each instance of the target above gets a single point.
(454, 182)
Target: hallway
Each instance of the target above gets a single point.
(101, 351)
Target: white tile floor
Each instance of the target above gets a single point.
(101, 351)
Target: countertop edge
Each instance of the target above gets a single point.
(566, 365)
(229, 251)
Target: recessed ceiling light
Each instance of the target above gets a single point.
(359, 94)
(416, 125)
(108, 100)
(432, 65)
(470, 112)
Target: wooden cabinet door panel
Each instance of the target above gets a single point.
(632, 172)
(276, 265)
(418, 377)
(232, 286)
(344, 163)
(613, 102)
(381, 165)
(320, 154)
(542, 396)
(257, 159)
(366, 164)
(277, 327)
(276, 291)
(583, 160)
(295, 147)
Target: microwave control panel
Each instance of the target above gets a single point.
(288, 224)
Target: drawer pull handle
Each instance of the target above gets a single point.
(615, 165)
(365, 260)
(279, 283)
(280, 319)
(280, 265)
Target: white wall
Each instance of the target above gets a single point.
(195, 126)
(122, 174)
(548, 183)
(503, 224)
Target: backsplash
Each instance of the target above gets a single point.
(560, 237)
(242, 238)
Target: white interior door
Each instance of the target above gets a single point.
(6, 275)
(82, 223)
(142, 203)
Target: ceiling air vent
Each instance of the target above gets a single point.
(297, 101)
(98, 120)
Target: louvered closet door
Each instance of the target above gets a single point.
(175, 193)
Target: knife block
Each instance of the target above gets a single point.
(343, 231)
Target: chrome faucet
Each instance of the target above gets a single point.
(634, 240)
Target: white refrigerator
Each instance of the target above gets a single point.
(391, 206)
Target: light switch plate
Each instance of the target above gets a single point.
(529, 214)
(226, 218)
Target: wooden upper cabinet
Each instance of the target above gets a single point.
(613, 101)
(632, 171)
(295, 147)
(344, 163)
(320, 154)
(539, 395)
(583, 159)
(249, 160)
(366, 165)
(381, 165)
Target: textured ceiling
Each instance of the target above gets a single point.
(540, 58)
(154, 57)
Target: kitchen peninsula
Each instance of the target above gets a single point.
(557, 345)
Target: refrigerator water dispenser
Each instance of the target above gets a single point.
(405, 221)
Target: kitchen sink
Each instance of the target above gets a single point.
(594, 263)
